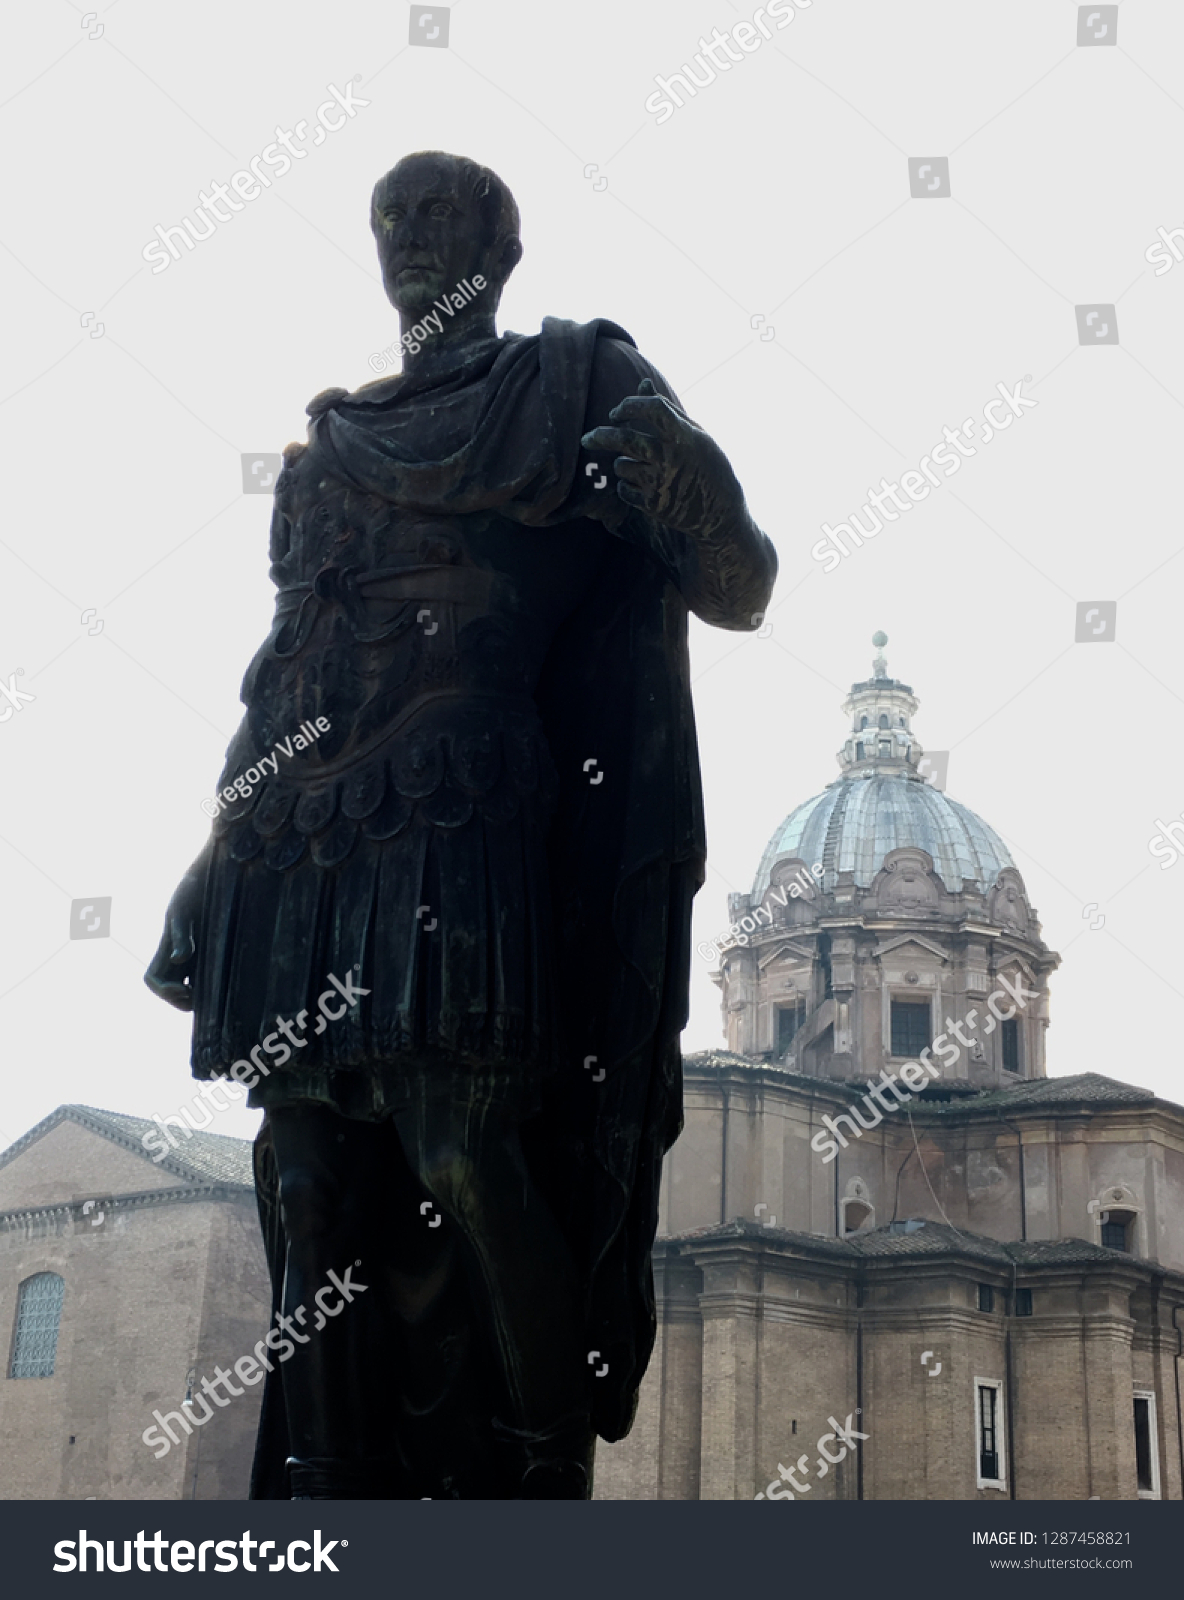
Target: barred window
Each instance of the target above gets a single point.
(1117, 1230)
(989, 1407)
(38, 1316)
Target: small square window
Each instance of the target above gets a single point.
(1023, 1302)
(986, 1297)
(1117, 1230)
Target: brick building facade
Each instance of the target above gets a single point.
(124, 1282)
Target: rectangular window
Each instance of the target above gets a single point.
(1116, 1231)
(788, 1019)
(1023, 1302)
(911, 1031)
(1146, 1453)
(1011, 1045)
(986, 1297)
(988, 1423)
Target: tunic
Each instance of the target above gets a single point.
(407, 845)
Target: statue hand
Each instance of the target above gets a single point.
(667, 466)
(171, 970)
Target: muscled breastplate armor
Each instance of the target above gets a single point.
(419, 638)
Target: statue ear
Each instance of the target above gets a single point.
(508, 257)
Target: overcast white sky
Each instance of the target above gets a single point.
(778, 196)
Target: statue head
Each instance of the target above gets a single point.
(439, 219)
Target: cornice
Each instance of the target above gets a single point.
(70, 1211)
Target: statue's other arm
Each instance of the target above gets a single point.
(678, 479)
(170, 974)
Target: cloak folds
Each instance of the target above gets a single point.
(626, 851)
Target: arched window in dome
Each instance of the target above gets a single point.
(38, 1317)
(863, 721)
(883, 719)
(900, 722)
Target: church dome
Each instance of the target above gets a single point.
(881, 912)
(853, 825)
(883, 802)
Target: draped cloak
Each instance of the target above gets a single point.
(626, 854)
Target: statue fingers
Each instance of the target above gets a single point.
(652, 411)
(639, 473)
(624, 441)
(172, 990)
(642, 499)
(179, 936)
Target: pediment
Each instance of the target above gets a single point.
(796, 952)
(916, 941)
(65, 1159)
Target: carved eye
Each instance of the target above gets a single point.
(441, 211)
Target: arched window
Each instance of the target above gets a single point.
(38, 1316)
(883, 719)
(863, 722)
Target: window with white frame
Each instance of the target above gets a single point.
(38, 1317)
(988, 1433)
(1146, 1445)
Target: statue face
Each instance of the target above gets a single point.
(428, 231)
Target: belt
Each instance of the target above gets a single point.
(455, 584)
(491, 699)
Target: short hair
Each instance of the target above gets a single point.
(496, 206)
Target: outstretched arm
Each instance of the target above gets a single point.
(676, 476)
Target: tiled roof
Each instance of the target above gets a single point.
(1082, 1088)
(204, 1158)
(1086, 1089)
(924, 1239)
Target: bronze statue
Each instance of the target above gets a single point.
(446, 941)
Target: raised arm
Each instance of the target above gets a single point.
(678, 479)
